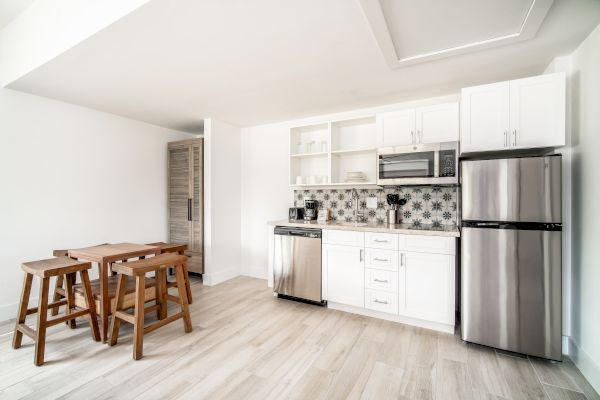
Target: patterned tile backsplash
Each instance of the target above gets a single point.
(426, 205)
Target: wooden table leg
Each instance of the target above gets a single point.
(104, 299)
(187, 321)
(89, 300)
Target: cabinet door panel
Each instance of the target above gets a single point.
(484, 121)
(396, 128)
(345, 279)
(437, 123)
(537, 111)
(179, 193)
(196, 262)
(429, 287)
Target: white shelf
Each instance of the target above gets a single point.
(353, 151)
(307, 155)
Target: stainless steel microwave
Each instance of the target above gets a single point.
(418, 164)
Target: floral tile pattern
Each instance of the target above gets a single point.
(425, 205)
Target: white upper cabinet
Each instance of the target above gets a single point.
(537, 111)
(428, 124)
(484, 117)
(519, 114)
(437, 123)
(396, 128)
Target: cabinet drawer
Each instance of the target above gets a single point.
(381, 301)
(387, 241)
(378, 279)
(427, 244)
(344, 238)
(381, 259)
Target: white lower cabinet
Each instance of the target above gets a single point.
(344, 274)
(428, 290)
(410, 278)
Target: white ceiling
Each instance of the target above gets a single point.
(252, 62)
(9, 9)
(449, 28)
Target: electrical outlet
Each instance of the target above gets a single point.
(372, 202)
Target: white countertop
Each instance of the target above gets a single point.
(406, 229)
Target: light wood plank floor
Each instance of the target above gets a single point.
(246, 344)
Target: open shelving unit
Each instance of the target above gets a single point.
(322, 154)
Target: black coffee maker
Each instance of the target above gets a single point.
(311, 209)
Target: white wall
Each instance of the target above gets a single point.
(222, 202)
(70, 177)
(585, 307)
(266, 194)
(563, 64)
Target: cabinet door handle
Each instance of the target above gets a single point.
(381, 259)
(419, 136)
(381, 280)
(380, 241)
(412, 137)
(379, 301)
(401, 259)
(515, 137)
(361, 255)
(505, 136)
(189, 209)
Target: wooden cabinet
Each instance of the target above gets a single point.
(186, 199)
(427, 292)
(428, 124)
(344, 274)
(520, 114)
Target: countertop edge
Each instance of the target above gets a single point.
(378, 229)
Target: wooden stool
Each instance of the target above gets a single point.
(178, 249)
(59, 291)
(138, 269)
(45, 269)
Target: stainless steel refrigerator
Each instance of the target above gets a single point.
(511, 254)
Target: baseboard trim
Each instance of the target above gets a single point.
(588, 367)
(259, 273)
(436, 326)
(212, 279)
(9, 311)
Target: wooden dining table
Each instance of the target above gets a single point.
(105, 255)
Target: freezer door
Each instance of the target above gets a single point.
(511, 290)
(297, 267)
(515, 189)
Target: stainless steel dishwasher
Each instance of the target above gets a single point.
(297, 264)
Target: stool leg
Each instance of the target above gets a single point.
(138, 328)
(116, 322)
(160, 293)
(40, 341)
(57, 296)
(91, 304)
(70, 278)
(187, 321)
(23, 305)
(188, 289)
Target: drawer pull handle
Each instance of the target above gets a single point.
(381, 259)
(381, 280)
(380, 302)
(380, 241)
